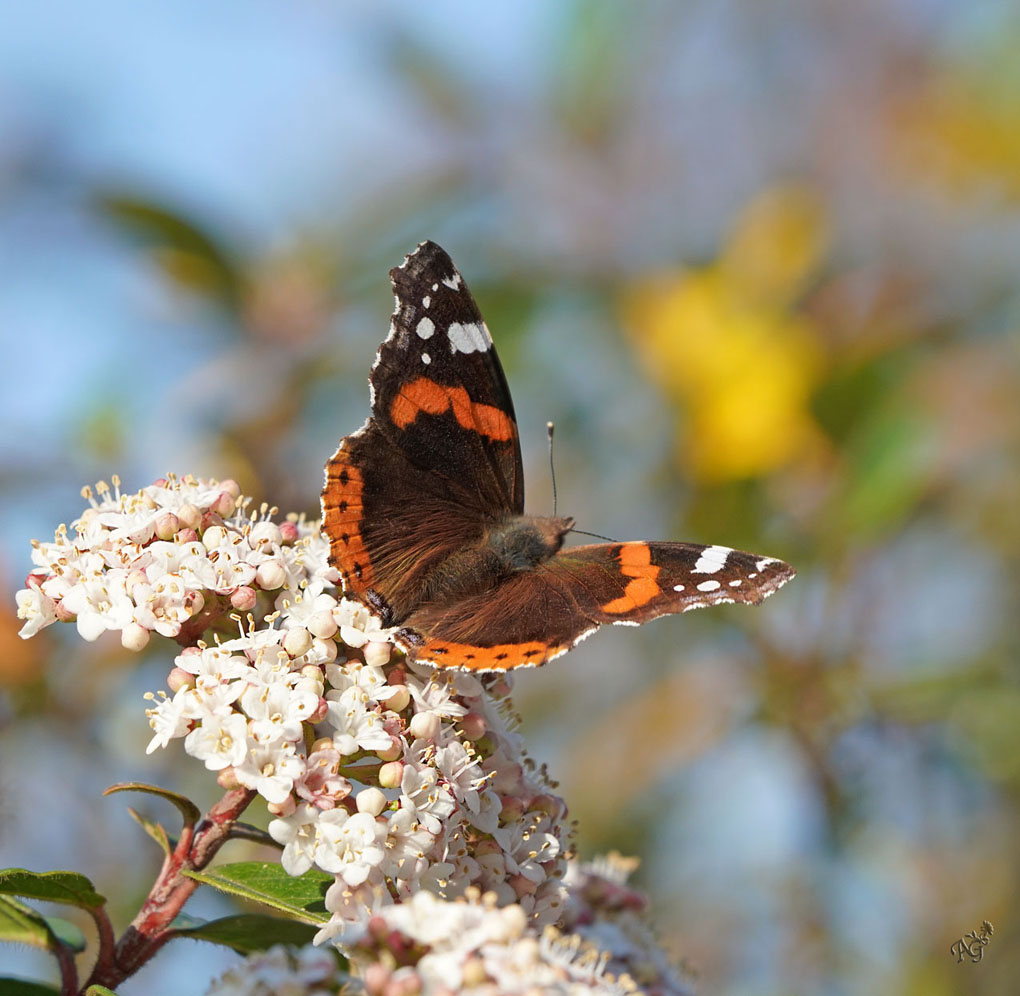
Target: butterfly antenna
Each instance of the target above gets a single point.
(550, 427)
(584, 532)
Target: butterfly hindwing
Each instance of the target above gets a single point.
(539, 615)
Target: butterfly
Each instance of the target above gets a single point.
(424, 508)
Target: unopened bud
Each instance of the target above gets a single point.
(377, 653)
(325, 650)
(391, 774)
(399, 700)
(322, 624)
(231, 487)
(392, 752)
(284, 808)
(425, 725)
(167, 525)
(320, 712)
(214, 536)
(243, 598)
(187, 535)
(189, 515)
(271, 575)
(473, 726)
(134, 637)
(178, 678)
(223, 505)
(371, 801)
(288, 533)
(298, 641)
(227, 779)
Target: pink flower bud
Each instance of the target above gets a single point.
(392, 752)
(224, 505)
(227, 779)
(391, 774)
(298, 641)
(187, 535)
(322, 624)
(377, 653)
(399, 700)
(271, 575)
(160, 482)
(425, 725)
(375, 979)
(288, 533)
(64, 614)
(243, 598)
(189, 515)
(231, 487)
(320, 712)
(178, 678)
(167, 525)
(398, 676)
(500, 688)
(512, 811)
(473, 726)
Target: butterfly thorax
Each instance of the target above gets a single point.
(516, 543)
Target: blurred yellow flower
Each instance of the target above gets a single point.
(724, 342)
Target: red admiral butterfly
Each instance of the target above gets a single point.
(424, 508)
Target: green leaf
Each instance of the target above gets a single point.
(20, 924)
(194, 258)
(154, 830)
(189, 811)
(99, 991)
(248, 932)
(54, 886)
(267, 883)
(22, 987)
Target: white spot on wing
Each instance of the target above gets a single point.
(435, 287)
(708, 586)
(426, 301)
(679, 587)
(736, 584)
(426, 328)
(764, 562)
(452, 282)
(426, 359)
(468, 338)
(712, 559)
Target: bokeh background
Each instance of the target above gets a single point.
(759, 260)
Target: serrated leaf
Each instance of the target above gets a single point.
(23, 987)
(189, 811)
(99, 991)
(66, 887)
(153, 829)
(248, 932)
(267, 883)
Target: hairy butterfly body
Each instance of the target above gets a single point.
(424, 508)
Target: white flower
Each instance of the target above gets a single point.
(358, 626)
(277, 711)
(407, 845)
(271, 770)
(214, 662)
(38, 611)
(219, 741)
(299, 835)
(167, 720)
(100, 605)
(350, 846)
(356, 725)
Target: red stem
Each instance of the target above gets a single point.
(150, 929)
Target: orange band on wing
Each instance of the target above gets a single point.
(501, 657)
(342, 511)
(635, 561)
(428, 397)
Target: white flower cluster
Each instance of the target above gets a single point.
(391, 777)
(475, 947)
(283, 971)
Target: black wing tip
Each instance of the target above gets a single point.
(428, 257)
